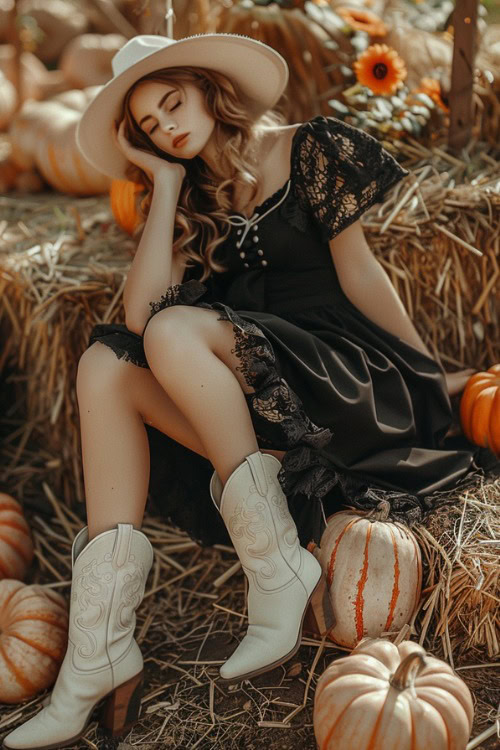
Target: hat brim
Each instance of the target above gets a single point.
(259, 71)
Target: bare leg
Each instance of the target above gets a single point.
(115, 399)
(191, 354)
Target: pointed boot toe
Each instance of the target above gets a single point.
(282, 575)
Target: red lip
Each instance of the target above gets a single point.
(179, 138)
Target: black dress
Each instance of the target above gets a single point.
(361, 414)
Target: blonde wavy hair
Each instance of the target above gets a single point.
(206, 199)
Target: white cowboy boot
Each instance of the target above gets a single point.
(282, 575)
(102, 659)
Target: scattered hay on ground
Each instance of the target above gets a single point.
(193, 615)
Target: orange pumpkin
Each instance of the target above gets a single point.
(387, 697)
(33, 639)
(373, 570)
(480, 409)
(42, 135)
(122, 196)
(16, 544)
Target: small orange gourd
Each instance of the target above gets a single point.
(480, 409)
(122, 197)
(16, 544)
(387, 697)
(33, 638)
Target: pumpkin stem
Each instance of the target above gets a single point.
(381, 512)
(407, 672)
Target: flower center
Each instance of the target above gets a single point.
(380, 70)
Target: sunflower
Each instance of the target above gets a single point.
(380, 69)
(363, 20)
(432, 87)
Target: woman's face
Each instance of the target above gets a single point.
(165, 111)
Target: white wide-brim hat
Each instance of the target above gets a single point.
(259, 72)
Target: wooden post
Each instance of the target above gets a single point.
(169, 19)
(462, 74)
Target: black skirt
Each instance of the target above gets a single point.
(361, 414)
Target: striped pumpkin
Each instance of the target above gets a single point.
(16, 544)
(373, 569)
(33, 639)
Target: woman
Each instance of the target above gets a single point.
(263, 344)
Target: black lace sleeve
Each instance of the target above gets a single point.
(340, 171)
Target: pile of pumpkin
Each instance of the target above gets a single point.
(41, 134)
(40, 107)
(381, 696)
(33, 618)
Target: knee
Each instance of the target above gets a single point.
(166, 331)
(99, 370)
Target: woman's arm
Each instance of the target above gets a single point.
(369, 288)
(153, 269)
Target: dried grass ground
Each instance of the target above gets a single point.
(191, 619)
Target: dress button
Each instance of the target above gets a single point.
(239, 231)
(255, 239)
(242, 254)
(260, 252)
(246, 265)
(255, 227)
(264, 262)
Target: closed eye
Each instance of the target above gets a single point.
(154, 128)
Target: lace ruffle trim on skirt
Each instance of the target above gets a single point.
(312, 473)
(125, 344)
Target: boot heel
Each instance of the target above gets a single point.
(319, 618)
(121, 709)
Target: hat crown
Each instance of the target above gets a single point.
(136, 49)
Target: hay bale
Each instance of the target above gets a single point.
(63, 264)
(63, 267)
(461, 588)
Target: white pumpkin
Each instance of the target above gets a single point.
(86, 60)
(387, 697)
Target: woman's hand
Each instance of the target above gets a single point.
(456, 381)
(151, 164)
